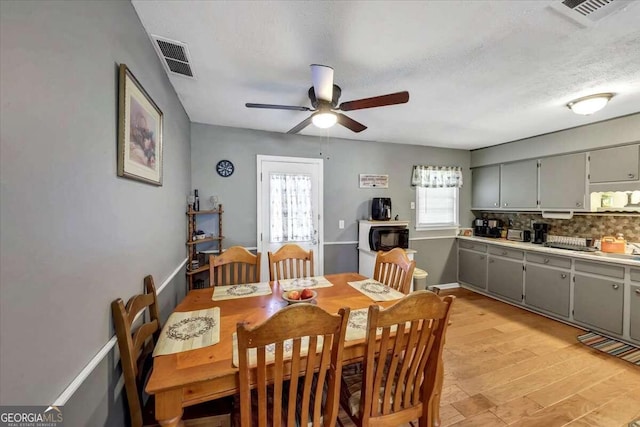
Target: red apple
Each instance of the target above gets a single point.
(294, 295)
(306, 294)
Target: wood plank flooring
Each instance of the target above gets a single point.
(507, 366)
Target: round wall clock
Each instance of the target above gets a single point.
(224, 168)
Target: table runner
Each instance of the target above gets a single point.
(271, 348)
(189, 330)
(240, 291)
(307, 282)
(375, 290)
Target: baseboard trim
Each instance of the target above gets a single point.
(446, 286)
(101, 354)
(355, 242)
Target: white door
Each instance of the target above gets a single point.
(289, 207)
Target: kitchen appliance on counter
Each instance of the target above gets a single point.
(519, 235)
(540, 231)
(487, 227)
(381, 209)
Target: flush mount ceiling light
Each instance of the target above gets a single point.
(589, 104)
(324, 120)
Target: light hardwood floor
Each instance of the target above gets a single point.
(508, 366)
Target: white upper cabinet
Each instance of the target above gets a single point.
(485, 187)
(615, 164)
(519, 185)
(563, 182)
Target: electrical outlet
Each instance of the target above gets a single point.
(341, 224)
(413, 205)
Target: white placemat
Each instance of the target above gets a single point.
(240, 291)
(307, 282)
(271, 348)
(189, 330)
(376, 291)
(357, 325)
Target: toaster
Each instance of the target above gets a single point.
(519, 235)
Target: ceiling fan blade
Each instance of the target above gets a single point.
(376, 101)
(277, 107)
(322, 77)
(349, 123)
(303, 124)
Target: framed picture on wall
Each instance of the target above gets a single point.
(139, 132)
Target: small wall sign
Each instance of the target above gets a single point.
(369, 180)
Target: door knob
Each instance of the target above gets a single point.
(637, 291)
(564, 276)
(631, 175)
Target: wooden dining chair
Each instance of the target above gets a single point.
(136, 348)
(399, 381)
(290, 262)
(295, 384)
(394, 269)
(234, 266)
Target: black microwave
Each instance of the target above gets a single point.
(388, 237)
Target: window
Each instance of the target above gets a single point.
(436, 207)
(291, 210)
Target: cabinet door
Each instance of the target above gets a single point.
(485, 187)
(563, 182)
(598, 302)
(547, 289)
(635, 312)
(615, 164)
(472, 268)
(505, 278)
(519, 185)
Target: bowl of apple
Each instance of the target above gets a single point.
(299, 295)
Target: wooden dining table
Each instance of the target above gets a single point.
(183, 379)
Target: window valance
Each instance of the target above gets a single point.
(437, 176)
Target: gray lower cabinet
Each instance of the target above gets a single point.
(563, 182)
(472, 268)
(506, 278)
(598, 302)
(634, 330)
(548, 289)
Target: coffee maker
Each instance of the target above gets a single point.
(381, 209)
(540, 231)
(487, 227)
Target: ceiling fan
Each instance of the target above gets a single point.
(324, 96)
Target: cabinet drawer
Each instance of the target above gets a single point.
(554, 261)
(506, 252)
(474, 246)
(635, 275)
(601, 269)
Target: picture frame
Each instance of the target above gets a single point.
(140, 124)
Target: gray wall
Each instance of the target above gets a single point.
(344, 160)
(74, 235)
(622, 130)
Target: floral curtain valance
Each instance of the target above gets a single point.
(437, 176)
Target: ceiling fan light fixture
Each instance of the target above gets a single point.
(324, 120)
(589, 104)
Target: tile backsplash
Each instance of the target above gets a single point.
(593, 226)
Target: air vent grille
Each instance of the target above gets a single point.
(586, 12)
(175, 56)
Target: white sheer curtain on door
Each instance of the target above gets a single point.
(291, 211)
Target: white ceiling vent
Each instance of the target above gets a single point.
(587, 12)
(174, 55)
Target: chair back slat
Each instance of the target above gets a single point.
(394, 269)
(313, 370)
(235, 266)
(290, 262)
(135, 346)
(399, 380)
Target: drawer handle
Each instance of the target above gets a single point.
(481, 256)
(615, 286)
(506, 204)
(631, 175)
(578, 204)
(564, 276)
(491, 261)
(546, 260)
(637, 291)
(495, 204)
(504, 253)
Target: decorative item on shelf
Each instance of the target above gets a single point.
(195, 264)
(191, 199)
(200, 235)
(213, 200)
(196, 202)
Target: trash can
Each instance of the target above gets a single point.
(419, 279)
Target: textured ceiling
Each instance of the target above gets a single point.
(479, 73)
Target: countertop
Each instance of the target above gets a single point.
(591, 256)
